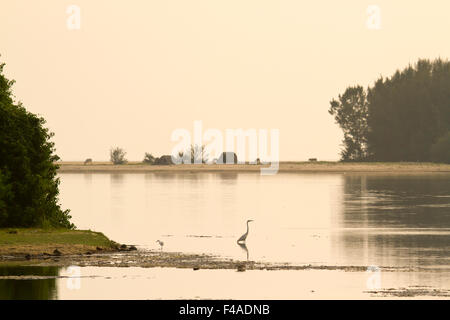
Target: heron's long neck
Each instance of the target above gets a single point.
(247, 227)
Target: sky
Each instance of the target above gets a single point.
(135, 71)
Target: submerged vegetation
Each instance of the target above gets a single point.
(28, 182)
(402, 118)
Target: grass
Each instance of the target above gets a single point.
(38, 241)
(285, 166)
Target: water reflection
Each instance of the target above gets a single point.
(117, 178)
(411, 201)
(244, 248)
(26, 288)
(317, 219)
(394, 221)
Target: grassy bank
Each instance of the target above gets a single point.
(339, 167)
(17, 242)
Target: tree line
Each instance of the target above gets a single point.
(28, 183)
(194, 154)
(405, 117)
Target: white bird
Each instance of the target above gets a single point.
(244, 236)
(161, 244)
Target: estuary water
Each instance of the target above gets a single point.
(373, 220)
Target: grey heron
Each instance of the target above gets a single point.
(161, 244)
(242, 239)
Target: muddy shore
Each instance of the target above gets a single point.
(155, 259)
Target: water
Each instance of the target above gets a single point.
(318, 219)
(169, 283)
(299, 218)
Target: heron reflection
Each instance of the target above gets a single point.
(244, 247)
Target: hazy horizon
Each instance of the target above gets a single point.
(136, 72)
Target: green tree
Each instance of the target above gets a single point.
(28, 183)
(350, 111)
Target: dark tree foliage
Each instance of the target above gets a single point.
(406, 114)
(350, 112)
(440, 151)
(28, 182)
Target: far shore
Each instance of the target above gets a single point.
(284, 167)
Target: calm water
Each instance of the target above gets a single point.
(319, 219)
(301, 218)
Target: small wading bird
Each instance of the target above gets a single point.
(242, 239)
(161, 244)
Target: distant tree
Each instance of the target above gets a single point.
(117, 156)
(400, 117)
(28, 173)
(409, 111)
(350, 112)
(440, 151)
(149, 158)
(194, 154)
(198, 154)
(88, 161)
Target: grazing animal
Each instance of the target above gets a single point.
(161, 244)
(244, 236)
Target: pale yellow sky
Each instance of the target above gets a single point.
(137, 70)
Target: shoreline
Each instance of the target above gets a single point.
(25, 244)
(145, 258)
(284, 167)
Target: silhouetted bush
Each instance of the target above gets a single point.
(163, 160)
(117, 156)
(149, 158)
